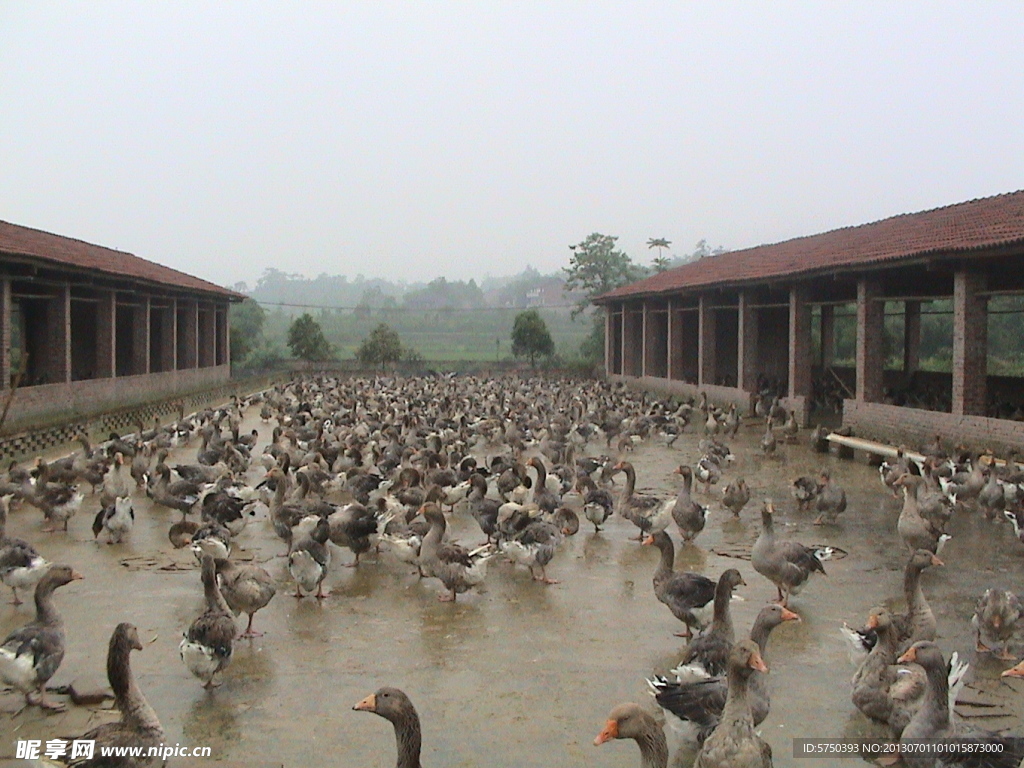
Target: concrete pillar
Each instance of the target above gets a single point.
(911, 338)
(870, 337)
(828, 336)
(140, 334)
(705, 341)
(970, 344)
(6, 309)
(58, 337)
(106, 335)
(746, 376)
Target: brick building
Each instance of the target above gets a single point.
(93, 329)
(735, 323)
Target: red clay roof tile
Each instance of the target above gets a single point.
(976, 224)
(17, 240)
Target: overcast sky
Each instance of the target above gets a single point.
(411, 140)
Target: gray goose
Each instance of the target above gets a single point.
(734, 744)
(207, 643)
(995, 620)
(709, 653)
(684, 593)
(648, 513)
(689, 516)
(787, 564)
(458, 568)
(736, 495)
(702, 701)
(394, 706)
(631, 721)
(917, 531)
(139, 725)
(31, 655)
(831, 499)
(21, 566)
(933, 721)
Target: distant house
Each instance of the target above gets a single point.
(92, 329)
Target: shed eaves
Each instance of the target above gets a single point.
(976, 224)
(16, 240)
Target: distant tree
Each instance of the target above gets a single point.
(530, 336)
(306, 339)
(246, 328)
(596, 267)
(661, 262)
(381, 347)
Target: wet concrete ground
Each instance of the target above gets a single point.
(521, 674)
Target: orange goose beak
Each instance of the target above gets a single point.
(648, 540)
(936, 561)
(1017, 671)
(788, 615)
(76, 576)
(609, 732)
(756, 662)
(369, 704)
(909, 656)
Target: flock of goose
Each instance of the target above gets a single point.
(380, 466)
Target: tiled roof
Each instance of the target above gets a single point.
(976, 224)
(16, 240)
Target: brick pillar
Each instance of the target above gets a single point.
(799, 343)
(828, 336)
(169, 340)
(5, 333)
(106, 329)
(800, 357)
(58, 337)
(645, 338)
(191, 335)
(674, 362)
(870, 352)
(746, 377)
(608, 339)
(705, 342)
(970, 344)
(140, 334)
(911, 338)
(223, 336)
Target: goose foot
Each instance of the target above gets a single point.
(1005, 655)
(980, 647)
(687, 635)
(39, 698)
(819, 521)
(211, 685)
(444, 597)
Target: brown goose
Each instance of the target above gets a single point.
(688, 514)
(31, 655)
(394, 706)
(831, 499)
(917, 531)
(733, 744)
(57, 501)
(995, 620)
(709, 653)
(736, 495)
(787, 564)
(139, 725)
(207, 644)
(631, 721)
(245, 588)
(683, 592)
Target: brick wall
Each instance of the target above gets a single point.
(59, 403)
(893, 424)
